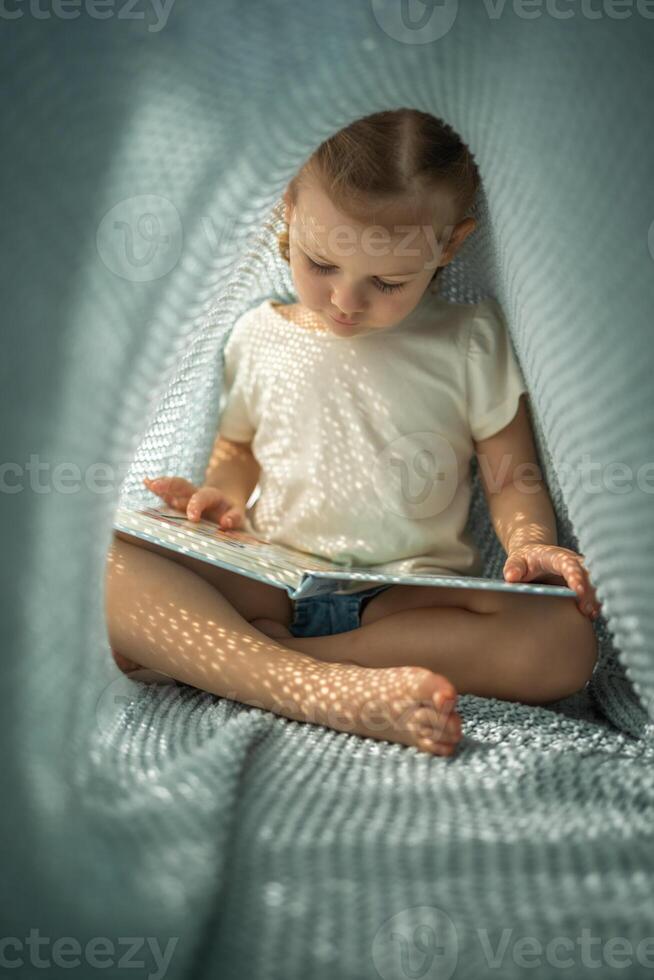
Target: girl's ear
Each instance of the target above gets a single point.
(288, 205)
(457, 238)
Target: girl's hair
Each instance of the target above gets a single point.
(376, 160)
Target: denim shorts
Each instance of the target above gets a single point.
(323, 615)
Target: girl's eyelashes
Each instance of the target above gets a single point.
(385, 287)
(388, 287)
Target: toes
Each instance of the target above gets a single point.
(440, 725)
(440, 734)
(436, 735)
(428, 715)
(436, 690)
(444, 699)
(445, 688)
(435, 748)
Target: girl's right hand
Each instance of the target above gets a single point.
(209, 503)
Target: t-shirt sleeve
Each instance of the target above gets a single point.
(494, 378)
(236, 398)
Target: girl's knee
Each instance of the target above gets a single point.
(583, 649)
(568, 652)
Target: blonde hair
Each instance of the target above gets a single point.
(386, 156)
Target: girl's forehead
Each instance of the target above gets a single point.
(405, 254)
(316, 219)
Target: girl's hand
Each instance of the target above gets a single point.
(531, 562)
(209, 503)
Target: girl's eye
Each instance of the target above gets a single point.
(389, 287)
(320, 269)
(385, 287)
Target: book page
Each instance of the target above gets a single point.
(237, 550)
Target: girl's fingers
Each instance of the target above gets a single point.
(231, 520)
(160, 482)
(587, 600)
(177, 503)
(195, 502)
(207, 500)
(169, 484)
(175, 491)
(227, 517)
(194, 509)
(567, 565)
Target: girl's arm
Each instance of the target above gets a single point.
(233, 469)
(523, 516)
(518, 500)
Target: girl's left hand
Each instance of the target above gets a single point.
(549, 563)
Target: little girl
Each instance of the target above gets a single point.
(357, 411)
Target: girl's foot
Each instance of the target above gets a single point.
(431, 727)
(410, 705)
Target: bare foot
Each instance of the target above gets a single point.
(410, 705)
(271, 628)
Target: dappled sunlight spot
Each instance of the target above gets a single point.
(116, 564)
(521, 530)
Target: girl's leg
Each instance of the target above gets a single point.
(532, 649)
(248, 596)
(166, 617)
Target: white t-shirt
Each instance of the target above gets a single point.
(364, 442)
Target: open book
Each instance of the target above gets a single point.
(301, 574)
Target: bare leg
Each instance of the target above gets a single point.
(527, 654)
(165, 617)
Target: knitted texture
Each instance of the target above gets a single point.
(144, 167)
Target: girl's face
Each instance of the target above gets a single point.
(362, 277)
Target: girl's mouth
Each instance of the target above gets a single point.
(345, 323)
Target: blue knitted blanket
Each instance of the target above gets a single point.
(158, 828)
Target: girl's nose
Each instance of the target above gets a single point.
(347, 305)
